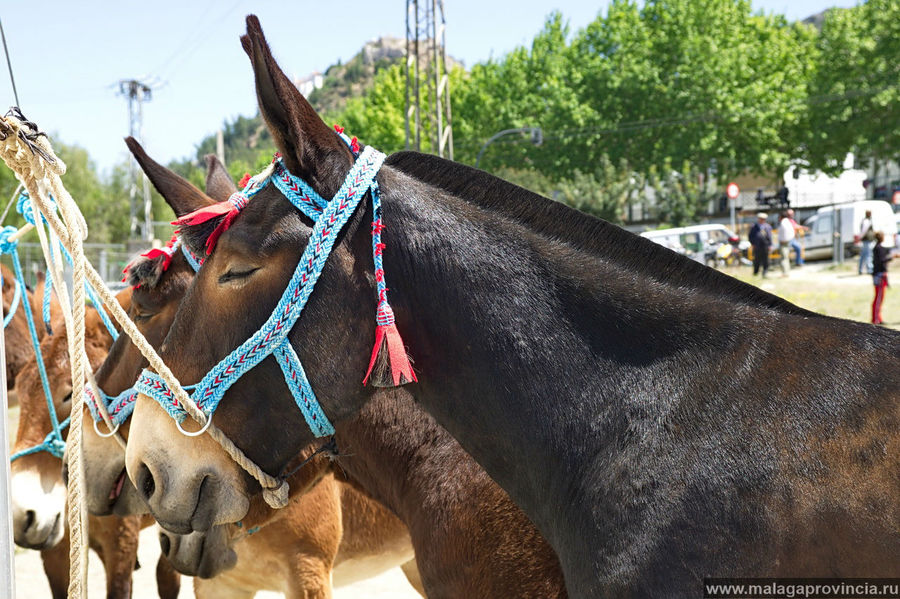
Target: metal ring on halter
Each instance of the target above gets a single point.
(105, 435)
(195, 434)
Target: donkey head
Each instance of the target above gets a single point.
(38, 490)
(232, 296)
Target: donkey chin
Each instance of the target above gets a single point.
(201, 554)
(38, 508)
(189, 484)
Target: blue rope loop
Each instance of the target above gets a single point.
(53, 443)
(8, 246)
(330, 217)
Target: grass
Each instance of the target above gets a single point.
(827, 289)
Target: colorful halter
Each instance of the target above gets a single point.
(120, 407)
(272, 338)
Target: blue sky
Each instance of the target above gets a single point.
(68, 56)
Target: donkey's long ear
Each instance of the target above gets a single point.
(177, 191)
(219, 185)
(311, 150)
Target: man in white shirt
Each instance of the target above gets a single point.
(786, 235)
(867, 239)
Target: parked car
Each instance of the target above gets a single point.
(701, 242)
(819, 240)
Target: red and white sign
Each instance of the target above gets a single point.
(732, 190)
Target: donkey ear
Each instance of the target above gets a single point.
(219, 185)
(177, 191)
(310, 149)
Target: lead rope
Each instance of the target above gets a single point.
(29, 155)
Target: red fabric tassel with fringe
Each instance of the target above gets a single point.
(387, 338)
(230, 208)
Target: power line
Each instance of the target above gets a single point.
(9, 65)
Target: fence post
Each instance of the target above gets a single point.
(7, 565)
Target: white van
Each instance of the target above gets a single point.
(696, 241)
(818, 241)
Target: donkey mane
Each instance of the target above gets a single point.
(557, 221)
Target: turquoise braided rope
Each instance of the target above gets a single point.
(53, 443)
(272, 337)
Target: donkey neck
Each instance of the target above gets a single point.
(533, 351)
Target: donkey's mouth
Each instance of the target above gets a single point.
(117, 488)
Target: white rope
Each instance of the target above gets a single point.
(39, 170)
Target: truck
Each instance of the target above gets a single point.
(844, 220)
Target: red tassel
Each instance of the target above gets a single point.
(226, 208)
(399, 361)
(244, 180)
(156, 253)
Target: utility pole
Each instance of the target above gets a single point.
(137, 92)
(426, 74)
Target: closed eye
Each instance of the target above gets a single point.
(143, 316)
(233, 275)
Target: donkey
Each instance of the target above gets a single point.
(658, 421)
(37, 487)
(469, 538)
(330, 531)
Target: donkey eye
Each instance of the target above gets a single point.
(143, 316)
(67, 398)
(233, 275)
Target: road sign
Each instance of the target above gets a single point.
(732, 190)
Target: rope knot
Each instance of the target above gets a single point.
(7, 245)
(277, 497)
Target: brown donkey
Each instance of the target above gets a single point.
(330, 531)
(37, 486)
(469, 538)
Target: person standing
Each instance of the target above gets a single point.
(880, 257)
(761, 240)
(795, 244)
(867, 237)
(786, 236)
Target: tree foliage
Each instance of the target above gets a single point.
(855, 93)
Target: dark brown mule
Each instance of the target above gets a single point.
(470, 539)
(330, 532)
(658, 421)
(37, 487)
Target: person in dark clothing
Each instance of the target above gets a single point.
(761, 240)
(880, 257)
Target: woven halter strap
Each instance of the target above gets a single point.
(120, 407)
(330, 217)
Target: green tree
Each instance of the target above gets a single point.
(855, 95)
(695, 80)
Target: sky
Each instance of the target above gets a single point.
(67, 57)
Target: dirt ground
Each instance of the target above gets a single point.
(32, 584)
(837, 291)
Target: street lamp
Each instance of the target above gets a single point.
(537, 138)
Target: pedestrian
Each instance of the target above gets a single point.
(786, 236)
(761, 240)
(880, 257)
(867, 239)
(799, 230)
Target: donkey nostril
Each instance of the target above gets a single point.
(30, 517)
(165, 544)
(147, 485)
